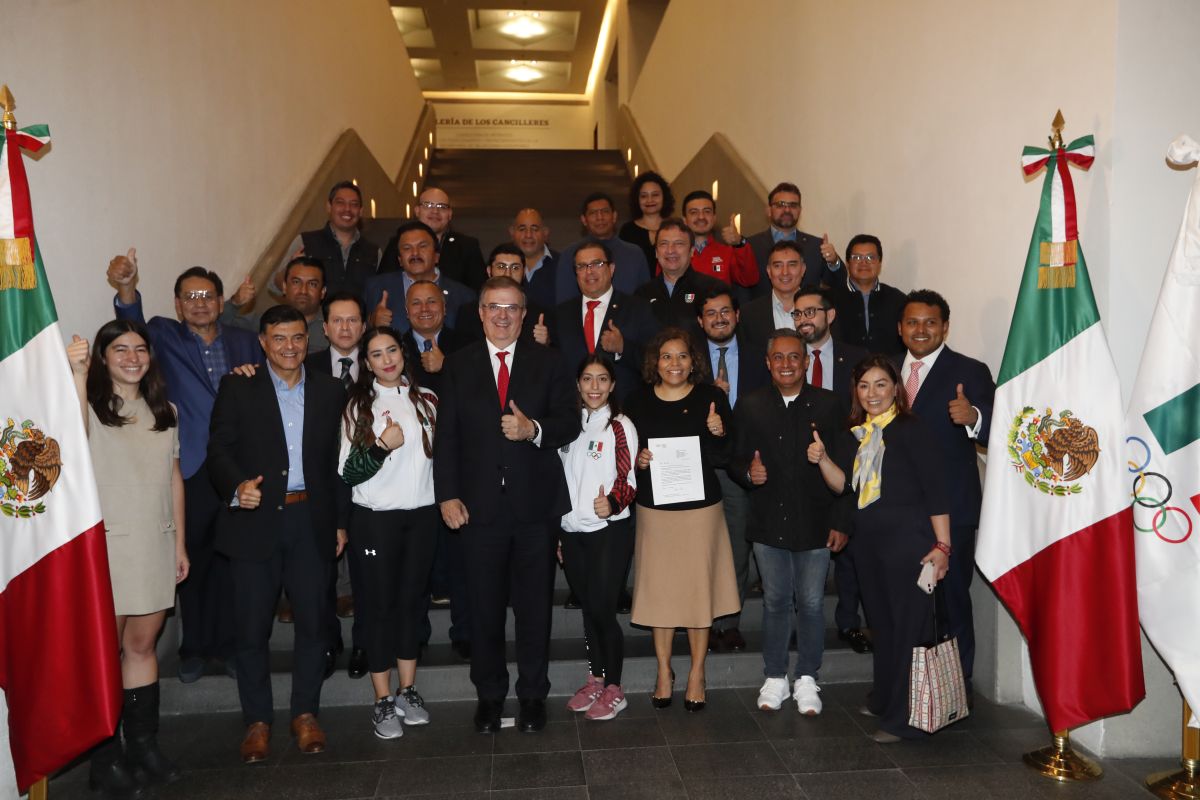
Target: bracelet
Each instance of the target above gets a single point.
(945, 548)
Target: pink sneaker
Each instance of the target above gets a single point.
(588, 694)
(611, 703)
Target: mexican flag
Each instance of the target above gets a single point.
(1054, 534)
(1164, 455)
(59, 666)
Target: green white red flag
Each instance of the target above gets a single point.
(1054, 533)
(1164, 455)
(59, 665)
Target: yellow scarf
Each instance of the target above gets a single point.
(868, 461)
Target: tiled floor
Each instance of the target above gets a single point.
(730, 750)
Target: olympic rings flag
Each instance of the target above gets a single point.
(1163, 450)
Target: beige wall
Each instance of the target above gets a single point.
(189, 129)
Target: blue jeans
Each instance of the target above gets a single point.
(793, 596)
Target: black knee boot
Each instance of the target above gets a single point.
(140, 722)
(110, 776)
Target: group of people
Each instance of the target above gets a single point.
(426, 410)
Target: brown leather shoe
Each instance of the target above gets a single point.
(256, 744)
(345, 606)
(309, 736)
(284, 612)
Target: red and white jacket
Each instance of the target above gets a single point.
(727, 263)
(601, 456)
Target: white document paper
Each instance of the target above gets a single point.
(675, 470)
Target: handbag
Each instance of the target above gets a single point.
(937, 693)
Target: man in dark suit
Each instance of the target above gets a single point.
(764, 315)
(821, 261)
(429, 339)
(602, 318)
(273, 458)
(506, 407)
(418, 255)
(530, 233)
(598, 216)
(738, 370)
(672, 293)
(461, 259)
(867, 308)
(831, 366)
(953, 394)
(507, 261)
(195, 352)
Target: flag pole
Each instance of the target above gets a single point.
(1060, 761)
(40, 790)
(1181, 784)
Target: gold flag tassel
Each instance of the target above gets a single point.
(1181, 784)
(1060, 762)
(16, 265)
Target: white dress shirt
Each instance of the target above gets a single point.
(511, 350)
(598, 314)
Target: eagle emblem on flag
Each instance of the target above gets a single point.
(1052, 451)
(30, 463)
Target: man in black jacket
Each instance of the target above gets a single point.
(673, 292)
(794, 518)
(868, 310)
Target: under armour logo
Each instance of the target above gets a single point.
(368, 552)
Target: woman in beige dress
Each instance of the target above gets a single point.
(134, 440)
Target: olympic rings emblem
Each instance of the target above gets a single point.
(1140, 498)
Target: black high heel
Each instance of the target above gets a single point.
(664, 702)
(695, 705)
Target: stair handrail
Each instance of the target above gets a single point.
(634, 149)
(414, 169)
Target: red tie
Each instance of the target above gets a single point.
(589, 325)
(502, 379)
(818, 378)
(914, 381)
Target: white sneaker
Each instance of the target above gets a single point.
(806, 693)
(772, 694)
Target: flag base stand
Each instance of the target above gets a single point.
(1181, 784)
(1059, 762)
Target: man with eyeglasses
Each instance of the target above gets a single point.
(831, 366)
(530, 233)
(868, 310)
(459, 256)
(603, 318)
(599, 218)
(673, 291)
(195, 351)
(737, 370)
(726, 258)
(506, 406)
(764, 315)
(417, 255)
(507, 261)
(821, 261)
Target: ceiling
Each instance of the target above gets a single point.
(539, 47)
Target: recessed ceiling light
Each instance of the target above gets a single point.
(524, 74)
(523, 27)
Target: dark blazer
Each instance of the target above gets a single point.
(887, 305)
(188, 386)
(458, 298)
(679, 308)
(247, 440)
(794, 510)
(459, 259)
(447, 341)
(957, 454)
(473, 462)
(816, 271)
(752, 367)
(845, 358)
(631, 315)
(757, 322)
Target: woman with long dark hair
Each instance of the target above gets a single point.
(901, 522)
(133, 436)
(597, 533)
(650, 202)
(387, 457)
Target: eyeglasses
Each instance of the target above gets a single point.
(515, 266)
(867, 257)
(807, 313)
(790, 205)
(197, 296)
(434, 206)
(496, 308)
(713, 313)
(599, 263)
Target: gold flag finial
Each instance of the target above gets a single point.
(1056, 139)
(6, 100)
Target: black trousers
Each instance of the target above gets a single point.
(303, 572)
(358, 626)
(206, 597)
(595, 566)
(394, 551)
(958, 596)
(846, 580)
(509, 561)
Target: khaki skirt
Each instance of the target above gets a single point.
(683, 568)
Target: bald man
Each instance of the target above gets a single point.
(459, 256)
(530, 233)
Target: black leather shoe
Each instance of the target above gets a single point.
(572, 601)
(857, 639)
(461, 648)
(734, 640)
(487, 716)
(716, 641)
(625, 603)
(358, 663)
(330, 663)
(532, 716)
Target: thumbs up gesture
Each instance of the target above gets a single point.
(611, 339)
(716, 425)
(816, 450)
(828, 251)
(541, 334)
(758, 470)
(245, 293)
(601, 505)
(730, 233)
(431, 359)
(382, 315)
(516, 427)
(122, 270)
(249, 494)
(961, 410)
(392, 435)
(77, 355)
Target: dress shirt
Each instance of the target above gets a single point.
(927, 363)
(781, 314)
(511, 349)
(291, 411)
(214, 357)
(335, 362)
(529, 273)
(670, 286)
(731, 364)
(827, 363)
(597, 315)
(420, 340)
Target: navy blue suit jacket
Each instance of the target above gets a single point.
(188, 386)
(457, 296)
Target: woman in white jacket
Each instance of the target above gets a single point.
(387, 457)
(597, 533)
